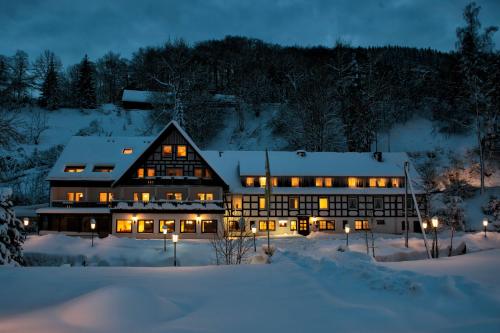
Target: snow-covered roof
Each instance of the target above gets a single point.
(72, 210)
(91, 151)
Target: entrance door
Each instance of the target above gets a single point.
(416, 227)
(304, 226)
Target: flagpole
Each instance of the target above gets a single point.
(268, 200)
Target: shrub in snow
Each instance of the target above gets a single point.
(492, 209)
(232, 247)
(94, 128)
(11, 228)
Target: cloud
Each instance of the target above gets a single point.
(73, 28)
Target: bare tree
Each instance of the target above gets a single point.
(232, 247)
(37, 125)
(9, 134)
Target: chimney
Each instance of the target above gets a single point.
(377, 156)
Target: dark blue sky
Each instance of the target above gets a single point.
(72, 28)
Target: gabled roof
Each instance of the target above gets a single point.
(157, 140)
(93, 151)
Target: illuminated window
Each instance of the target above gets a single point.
(167, 150)
(319, 182)
(381, 182)
(136, 196)
(208, 174)
(262, 202)
(181, 151)
(188, 226)
(249, 181)
(174, 196)
(263, 225)
(293, 203)
(74, 196)
(105, 197)
(262, 181)
(145, 226)
(174, 172)
(233, 226)
(74, 168)
(352, 203)
(140, 173)
(198, 172)
(326, 225)
(283, 223)
(395, 182)
(328, 182)
(352, 182)
(295, 181)
(170, 225)
(323, 203)
(209, 226)
(378, 203)
(237, 202)
(145, 197)
(151, 172)
(361, 225)
(205, 196)
(103, 168)
(293, 225)
(373, 182)
(127, 151)
(123, 226)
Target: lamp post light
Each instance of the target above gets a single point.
(26, 222)
(92, 228)
(485, 225)
(165, 230)
(198, 219)
(347, 230)
(435, 224)
(175, 239)
(424, 224)
(254, 231)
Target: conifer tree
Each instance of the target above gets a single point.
(50, 89)
(86, 85)
(11, 228)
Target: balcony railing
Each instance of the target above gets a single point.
(134, 204)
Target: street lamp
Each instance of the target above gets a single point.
(198, 219)
(435, 224)
(424, 224)
(92, 227)
(175, 239)
(254, 231)
(347, 230)
(165, 230)
(485, 225)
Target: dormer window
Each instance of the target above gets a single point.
(295, 181)
(127, 151)
(249, 181)
(103, 168)
(74, 168)
(151, 172)
(140, 173)
(167, 150)
(181, 151)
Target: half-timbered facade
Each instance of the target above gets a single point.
(132, 186)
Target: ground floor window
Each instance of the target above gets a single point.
(209, 226)
(283, 223)
(188, 226)
(123, 226)
(145, 226)
(380, 222)
(326, 225)
(361, 225)
(293, 225)
(264, 225)
(233, 225)
(170, 225)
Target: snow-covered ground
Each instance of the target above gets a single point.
(309, 287)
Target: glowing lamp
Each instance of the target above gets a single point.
(347, 229)
(314, 218)
(165, 229)
(435, 222)
(485, 223)
(134, 218)
(26, 221)
(198, 218)
(175, 238)
(92, 224)
(424, 224)
(254, 230)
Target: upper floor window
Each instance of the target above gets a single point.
(127, 151)
(167, 150)
(198, 172)
(378, 182)
(103, 168)
(262, 181)
(323, 203)
(144, 196)
(181, 151)
(237, 200)
(293, 203)
(319, 181)
(74, 196)
(205, 196)
(105, 197)
(151, 172)
(328, 182)
(174, 196)
(262, 202)
(249, 181)
(175, 172)
(395, 182)
(353, 182)
(74, 168)
(378, 203)
(352, 203)
(295, 181)
(140, 173)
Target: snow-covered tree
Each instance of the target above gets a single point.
(474, 48)
(86, 84)
(11, 229)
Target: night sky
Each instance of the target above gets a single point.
(72, 28)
